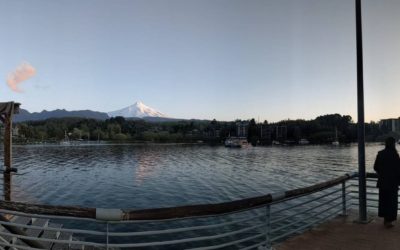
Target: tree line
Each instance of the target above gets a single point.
(322, 129)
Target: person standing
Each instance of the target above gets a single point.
(387, 166)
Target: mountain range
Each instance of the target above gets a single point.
(136, 111)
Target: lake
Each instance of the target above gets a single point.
(162, 175)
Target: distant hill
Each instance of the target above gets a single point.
(137, 111)
(25, 115)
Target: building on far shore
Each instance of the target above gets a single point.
(390, 125)
(281, 133)
(242, 129)
(265, 134)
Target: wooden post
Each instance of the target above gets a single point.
(7, 186)
(6, 116)
(8, 142)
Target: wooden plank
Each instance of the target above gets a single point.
(22, 220)
(50, 235)
(33, 232)
(62, 236)
(72, 211)
(39, 222)
(76, 246)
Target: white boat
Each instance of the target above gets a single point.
(304, 142)
(276, 143)
(336, 141)
(66, 140)
(235, 142)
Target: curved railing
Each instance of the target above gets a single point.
(252, 223)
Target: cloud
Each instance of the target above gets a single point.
(23, 72)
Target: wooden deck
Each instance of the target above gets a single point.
(342, 233)
(40, 233)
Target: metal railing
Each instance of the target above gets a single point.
(254, 223)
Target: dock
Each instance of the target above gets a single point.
(344, 233)
(38, 233)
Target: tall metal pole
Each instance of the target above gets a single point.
(361, 127)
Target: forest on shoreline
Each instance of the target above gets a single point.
(320, 130)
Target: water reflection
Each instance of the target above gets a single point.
(144, 176)
(146, 166)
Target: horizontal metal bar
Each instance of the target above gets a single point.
(229, 243)
(173, 242)
(6, 244)
(77, 242)
(254, 246)
(91, 232)
(369, 206)
(306, 226)
(302, 219)
(5, 211)
(123, 221)
(305, 202)
(305, 194)
(184, 229)
(285, 218)
(308, 210)
(368, 179)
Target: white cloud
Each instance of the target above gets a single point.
(22, 72)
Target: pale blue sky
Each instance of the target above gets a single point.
(223, 59)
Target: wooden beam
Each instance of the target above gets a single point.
(48, 209)
(19, 231)
(176, 212)
(8, 142)
(7, 186)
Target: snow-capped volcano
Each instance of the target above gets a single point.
(138, 109)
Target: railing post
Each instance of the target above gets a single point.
(268, 227)
(107, 237)
(344, 207)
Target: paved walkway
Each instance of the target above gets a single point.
(342, 234)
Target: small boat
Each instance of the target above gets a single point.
(303, 142)
(66, 140)
(235, 142)
(336, 141)
(276, 143)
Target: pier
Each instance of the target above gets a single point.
(343, 233)
(317, 214)
(331, 214)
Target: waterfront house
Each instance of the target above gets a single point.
(390, 125)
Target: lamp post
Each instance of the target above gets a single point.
(362, 196)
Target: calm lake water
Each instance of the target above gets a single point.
(148, 176)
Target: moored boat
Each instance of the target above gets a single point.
(303, 142)
(235, 142)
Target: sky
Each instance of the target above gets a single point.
(224, 59)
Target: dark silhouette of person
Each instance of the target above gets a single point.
(387, 166)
